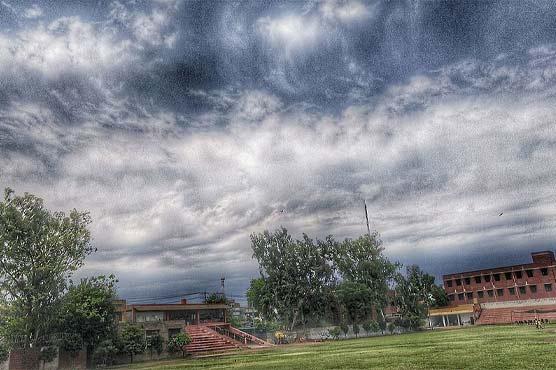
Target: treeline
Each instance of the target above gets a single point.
(311, 282)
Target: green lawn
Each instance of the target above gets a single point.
(501, 347)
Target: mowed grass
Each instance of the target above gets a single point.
(482, 347)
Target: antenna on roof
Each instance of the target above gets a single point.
(367, 218)
(222, 280)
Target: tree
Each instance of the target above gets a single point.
(88, 310)
(39, 251)
(362, 261)
(356, 298)
(260, 297)
(439, 297)
(345, 328)
(48, 354)
(105, 352)
(4, 352)
(414, 296)
(216, 298)
(371, 326)
(179, 343)
(355, 328)
(297, 272)
(132, 339)
(335, 332)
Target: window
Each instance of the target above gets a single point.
(500, 292)
(548, 287)
(508, 275)
(460, 296)
(544, 271)
(533, 289)
(490, 293)
(478, 279)
(151, 333)
(518, 274)
(469, 295)
(467, 281)
(511, 291)
(458, 282)
(449, 283)
(480, 294)
(451, 297)
(487, 278)
(496, 277)
(529, 273)
(172, 332)
(522, 290)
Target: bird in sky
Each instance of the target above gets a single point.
(500, 214)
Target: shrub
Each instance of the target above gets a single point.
(345, 329)
(391, 327)
(355, 329)
(104, 353)
(335, 332)
(155, 343)
(48, 354)
(178, 343)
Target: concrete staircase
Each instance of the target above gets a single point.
(206, 340)
(509, 315)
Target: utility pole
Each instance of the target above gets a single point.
(222, 280)
(367, 218)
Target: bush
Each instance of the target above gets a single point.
(391, 327)
(335, 332)
(155, 343)
(345, 329)
(133, 340)
(355, 329)
(178, 343)
(48, 354)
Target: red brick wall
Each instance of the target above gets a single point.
(24, 360)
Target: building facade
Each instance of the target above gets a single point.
(536, 280)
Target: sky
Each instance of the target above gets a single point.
(184, 126)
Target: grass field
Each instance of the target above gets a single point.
(501, 347)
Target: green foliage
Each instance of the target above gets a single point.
(296, 274)
(391, 327)
(335, 332)
(261, 324)
(48, 354)
(355, 328)
(72, 342)
(39, 250)
(216, 298)
(234, 321)
(155, 343)
(414, 297)
(88, 310)
(371, 326)
(439, 297)
(260, 297)
(104, 353)
(356, 298)
(345, 328)
(4, 352)
(362, 261)
(132, 339)
(178, 343)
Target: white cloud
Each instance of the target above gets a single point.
(292, 33)
(345, 11)
(33, 12)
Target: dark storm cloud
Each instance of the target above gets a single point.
(185, 126)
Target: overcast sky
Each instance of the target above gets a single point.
(185, 126)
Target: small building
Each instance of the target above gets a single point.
(168, 319)
(536, 280)
(464, 314)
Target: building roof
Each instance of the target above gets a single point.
(501, 269)
(452, 310)
(176, 307)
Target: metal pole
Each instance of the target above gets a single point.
(367, 218)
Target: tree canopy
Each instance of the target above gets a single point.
(39, 251)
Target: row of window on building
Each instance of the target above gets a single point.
(496, 277)
(499, 292)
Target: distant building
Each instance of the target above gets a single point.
(519, 282)
(497, 295)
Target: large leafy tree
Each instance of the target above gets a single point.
(88, 310)
(414, 296)
(132, 339)
(362, 261)
(260, 297)
(356, 298)
(297, 272)
(39, 250)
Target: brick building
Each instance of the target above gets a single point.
(536, 280)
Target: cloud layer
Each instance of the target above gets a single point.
(183, 128)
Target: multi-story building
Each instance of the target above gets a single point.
(528, 281)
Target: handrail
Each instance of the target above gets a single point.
(238, 335)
